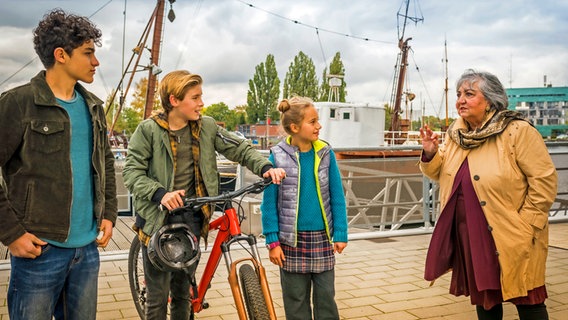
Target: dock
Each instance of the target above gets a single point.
(380, 274)
(376, 278)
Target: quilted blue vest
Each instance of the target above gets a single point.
(287, 156)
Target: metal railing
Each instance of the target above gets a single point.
(390, 194)
(387, 194)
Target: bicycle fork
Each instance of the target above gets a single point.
(234, 279)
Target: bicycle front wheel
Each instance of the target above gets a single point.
(136, 277)
(254, 299)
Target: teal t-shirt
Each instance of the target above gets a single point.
(83, 229)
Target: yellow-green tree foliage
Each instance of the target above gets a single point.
(132, 113)
(221, 113)
(335, 68)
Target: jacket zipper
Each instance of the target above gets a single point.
(227, 139)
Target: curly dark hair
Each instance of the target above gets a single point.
(59, 29)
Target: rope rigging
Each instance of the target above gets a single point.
(315, 27)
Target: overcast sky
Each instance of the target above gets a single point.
(520, 41)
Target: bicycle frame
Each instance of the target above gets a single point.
(229, 232)
(254, 288)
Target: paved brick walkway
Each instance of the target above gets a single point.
(375, 279)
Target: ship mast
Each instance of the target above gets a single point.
(404, 48)
(153, 70)
(157, 19)
(402, 63)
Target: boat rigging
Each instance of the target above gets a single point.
(401, 65)
(157, 20)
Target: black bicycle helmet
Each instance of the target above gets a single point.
(173, 248)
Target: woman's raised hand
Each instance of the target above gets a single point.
(430, 141)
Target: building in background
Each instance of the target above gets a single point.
(262, 135)
(545, 107)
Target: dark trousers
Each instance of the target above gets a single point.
(299, 288)
(162, 286)
(526, 312)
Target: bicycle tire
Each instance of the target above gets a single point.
(136, 277)
(252, 292)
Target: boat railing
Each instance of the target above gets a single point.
(393, 195)
(388, 195)
(407, 138)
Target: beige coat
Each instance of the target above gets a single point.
(516, 183)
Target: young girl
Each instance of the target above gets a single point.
(304, 218)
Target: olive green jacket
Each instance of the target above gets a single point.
(35, 140)
(516, 183)
(150, 166)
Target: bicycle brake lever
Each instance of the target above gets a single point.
(193, 204)
(267, 181)
(261, 185)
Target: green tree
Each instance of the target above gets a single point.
(131, 114)
(218, 111)
(435, 123)
(131, 119)
(263, 92)
(221, 113)
(336, 68)
(110, 114)
(139, 98)
(388, 116)
(301, 78)
(124, 120)
(241, 114)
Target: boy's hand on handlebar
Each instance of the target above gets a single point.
(277, 175)
(173, 200)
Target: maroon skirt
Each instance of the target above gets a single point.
(462, 242)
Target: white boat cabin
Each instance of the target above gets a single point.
(351, 125)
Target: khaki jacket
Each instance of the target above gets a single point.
(516, 183)
(150, 165)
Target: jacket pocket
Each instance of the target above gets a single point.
(46, 136)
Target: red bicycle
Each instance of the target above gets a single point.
(252, 297)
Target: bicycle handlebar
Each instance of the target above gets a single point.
(195, 204)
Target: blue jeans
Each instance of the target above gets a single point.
(61, 282)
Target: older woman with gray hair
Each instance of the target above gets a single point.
(495, 196)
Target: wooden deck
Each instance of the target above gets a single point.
(121, 237)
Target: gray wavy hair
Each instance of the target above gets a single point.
(489, 85)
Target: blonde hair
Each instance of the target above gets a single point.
(177, 83)
(292, 111)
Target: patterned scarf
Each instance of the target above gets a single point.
(200, 190)
(496, 123)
